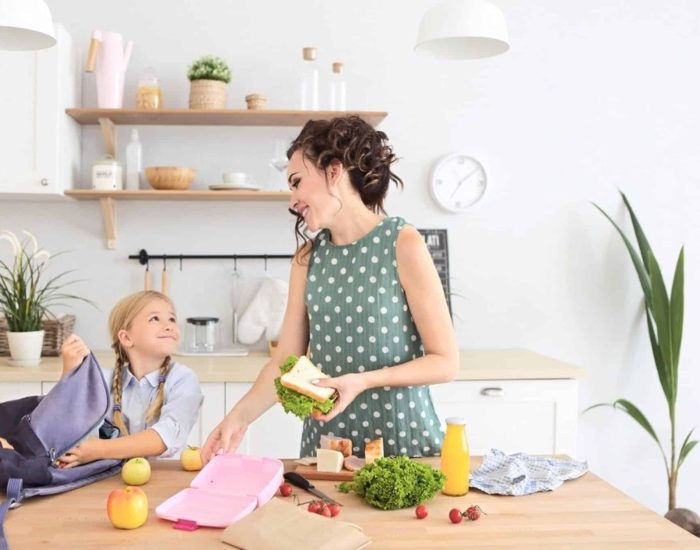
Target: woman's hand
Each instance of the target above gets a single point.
(88, 451)
(73, 352)
(348, 386)
(226, 437)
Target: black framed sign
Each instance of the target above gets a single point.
(436, 241)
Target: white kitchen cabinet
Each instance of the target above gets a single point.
(40, 144)
(210, 414)
(10, 391)
(530, 416)
(274, 434)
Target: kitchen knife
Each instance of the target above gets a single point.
(303, 483)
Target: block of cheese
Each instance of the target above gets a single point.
(336, 443)
(374, 450)
(328, 460)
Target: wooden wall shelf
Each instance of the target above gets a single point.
(188, 195)
(218, 117)
(109, 118)
(108, 201)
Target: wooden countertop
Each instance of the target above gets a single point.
(475, 365)
(584, 513)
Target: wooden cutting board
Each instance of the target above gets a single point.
(310, 472)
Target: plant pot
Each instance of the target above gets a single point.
(25, 347)
(207, 94)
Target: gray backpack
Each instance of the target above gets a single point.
(41, 429)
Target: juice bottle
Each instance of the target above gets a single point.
(454, 458)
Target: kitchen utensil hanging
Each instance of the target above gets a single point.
(147, 278)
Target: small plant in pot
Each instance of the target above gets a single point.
(27, 295)
(208, 77)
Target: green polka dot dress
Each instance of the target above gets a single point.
(359, 321)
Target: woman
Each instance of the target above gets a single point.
(364, 298)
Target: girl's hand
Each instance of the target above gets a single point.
(226, 437)
(73, 352)
(87, 451)
(348, 386)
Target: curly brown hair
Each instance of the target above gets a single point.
(363, 151)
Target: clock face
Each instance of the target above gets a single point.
(457, 182)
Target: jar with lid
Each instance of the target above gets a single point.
(202, 334)
(148, 93)
(107, 174)
(338, 88)
(309, 80)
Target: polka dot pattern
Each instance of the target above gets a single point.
(359, 321)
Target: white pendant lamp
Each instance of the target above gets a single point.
(25, 25)
(463, 29)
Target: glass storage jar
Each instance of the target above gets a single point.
(202, 334)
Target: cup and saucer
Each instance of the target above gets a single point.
(236, 180)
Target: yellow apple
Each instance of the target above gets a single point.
(191, 458)
(136, 471)
(127, 508)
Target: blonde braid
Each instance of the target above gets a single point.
(153, 411)
(117, 417)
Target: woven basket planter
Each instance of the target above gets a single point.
(207, 94)
(55, 332)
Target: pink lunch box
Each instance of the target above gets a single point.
(227, 489)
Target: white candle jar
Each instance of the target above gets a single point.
(107, 174)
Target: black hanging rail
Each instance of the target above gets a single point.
(144, 257)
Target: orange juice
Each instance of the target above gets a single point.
(454, 458)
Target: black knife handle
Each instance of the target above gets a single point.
(298, 480)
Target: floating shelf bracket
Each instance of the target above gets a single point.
(109, 135)
(109, 215)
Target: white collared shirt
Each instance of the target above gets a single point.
(183, 397)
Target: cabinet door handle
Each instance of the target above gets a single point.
(44, 182)
(492, 392)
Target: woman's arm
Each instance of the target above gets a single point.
(145, 443)
(426, 300)
(428, 306)
(294, 340)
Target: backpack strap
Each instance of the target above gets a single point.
(13, 498)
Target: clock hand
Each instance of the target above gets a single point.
(459, 184)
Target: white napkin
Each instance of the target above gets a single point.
(522, 474)
(265, 312)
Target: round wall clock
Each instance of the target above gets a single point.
(457, 182)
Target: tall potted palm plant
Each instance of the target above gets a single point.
(27, 296)
(664, 316)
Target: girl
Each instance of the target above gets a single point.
(365, 299)
(154, 402)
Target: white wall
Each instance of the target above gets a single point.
(593, 96)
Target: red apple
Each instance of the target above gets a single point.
(127, 508)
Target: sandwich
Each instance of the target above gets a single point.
(297, 394)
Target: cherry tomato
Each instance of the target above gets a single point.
(421, 512)
(455, 516)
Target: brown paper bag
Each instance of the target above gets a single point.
(278, 521)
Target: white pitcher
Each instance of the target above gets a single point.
(108, 57)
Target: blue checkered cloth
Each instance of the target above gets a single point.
(522, 474)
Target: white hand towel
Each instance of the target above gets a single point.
(264, 313)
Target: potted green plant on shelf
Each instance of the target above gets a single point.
(209, 76)
(664, 315)
(27, 295)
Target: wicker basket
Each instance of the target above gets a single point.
(55, 332)
(207, 94)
